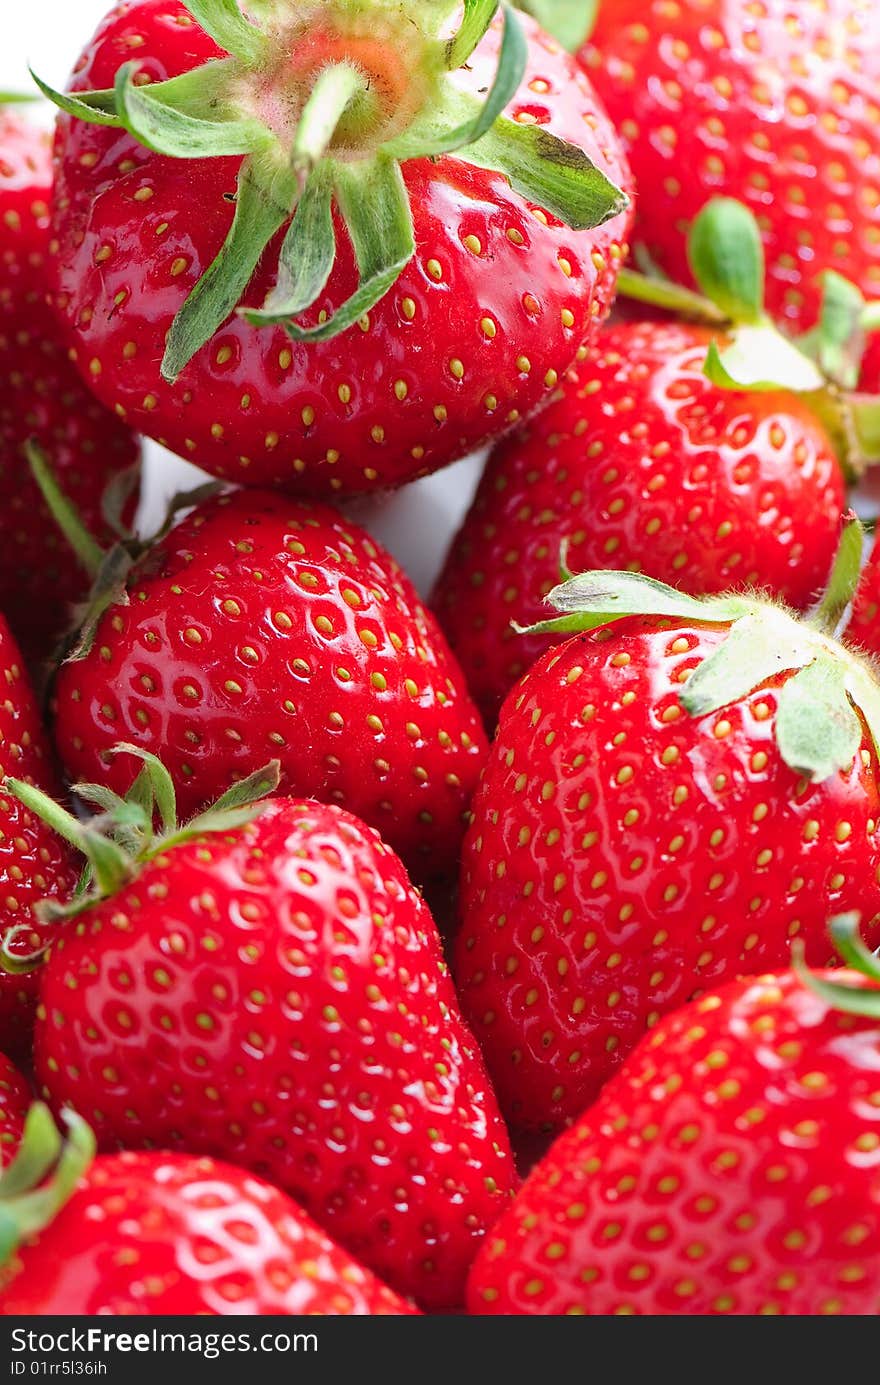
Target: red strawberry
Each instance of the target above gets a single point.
(275, 995)
(41, 397)
(146, 1234)
(269, 627)
(863, 627)
(15, 1098)
(644, 464)
(472, 295)
(730, 1167)
(34, 862)
(773, 103)
(669, 801)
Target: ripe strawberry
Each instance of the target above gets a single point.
(643, 463)
(263, 626)
(863, 627)
(145, 1234)
(15, 1098)
(275, 995)
(772, 103)
(669, 801)
(468, 296)
(41, 397)
(730, 1168)
(34, 862)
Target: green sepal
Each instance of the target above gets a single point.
(842, 995)
(844, 577)
(307, 255)
(438, 133)
(760, 646)
(224, 22)
(93, 107)
(550, 172)
(178, 118)
(16, 98)
(374, 204)
(569, 21)
(259, 215)
(42, 1177)
(117, 493)
(159, 780)
(593, 599)
(817, 731)
(837, 343)
(65, 514)
(727, 259)
(478, 16)
(759, 359)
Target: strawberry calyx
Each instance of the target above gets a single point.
(324, 104)
(841, 993)
(42, 1176)
(751, 353)
(110, 569)
(122, 837)
(822, 708)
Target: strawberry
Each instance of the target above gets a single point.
(42, 397)
(673, 795)
(441, 271)
(34, 862)
(274, 994)
(642, 463)
(263, 626)
(168, 1234)
(774, 104)
(729, 1168)
(15, 1098)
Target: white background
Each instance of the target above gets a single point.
(417, 522)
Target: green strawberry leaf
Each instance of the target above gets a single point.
(760, 359)
(478, 15)
(844, 576)
(816, 729)
(759, 647)
(837, 344)
(558, 176)
(727, 259)
(224, 22)
(373, 201)
(569, 21)
(593, 599)
(179, 118)
(307, 255)
(42, 1177)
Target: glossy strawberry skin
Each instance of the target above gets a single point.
(267, 627)
(863, 627)
(642, 464)
(15, 1098)
(42, 397)
(624, 856)
(729, 1168)
(475, 333)
(278, 998)
(34, 862)
(170, 1234)
(774, 104)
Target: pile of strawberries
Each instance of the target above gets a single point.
(511, 954)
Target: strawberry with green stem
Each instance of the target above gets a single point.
(774, 104)
(153, 1233)
(265, 986)
(729, 1168)
(655, 459)
(42, 397)
(331, 247)
(263, 626)
(674, 794)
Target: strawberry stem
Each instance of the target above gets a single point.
(663, 293)
(335, 92)
(64, 512)
(844, 577)
(42, 1177)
